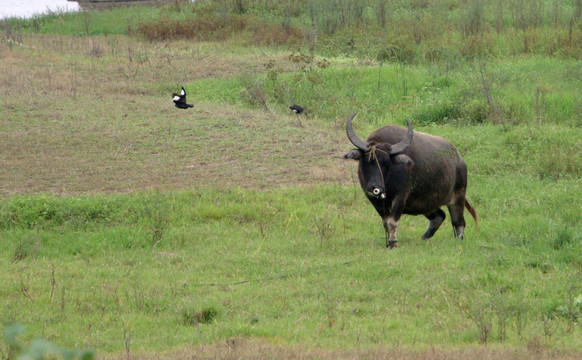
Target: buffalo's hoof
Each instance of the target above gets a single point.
(392, 244)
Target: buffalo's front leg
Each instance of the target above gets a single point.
(391, 227)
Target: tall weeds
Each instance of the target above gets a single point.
(419, 32)
(422, 31)
(215, 27)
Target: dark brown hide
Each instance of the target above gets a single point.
(418, 179)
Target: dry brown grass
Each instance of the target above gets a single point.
(75, 122)
(167, 148)
(220, 27)
(250, 349)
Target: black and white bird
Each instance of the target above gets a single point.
(296, 109)
(180, 100)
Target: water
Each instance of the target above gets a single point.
(29, 8)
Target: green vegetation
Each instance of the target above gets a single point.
(38, 349)
(518, 91)
(304, 265)
(233, 229)
(411, 32)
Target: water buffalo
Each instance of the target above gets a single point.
(406, 172)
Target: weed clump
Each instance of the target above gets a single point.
(438, 113)
(203, 316)
(563, 238)
(26, 247)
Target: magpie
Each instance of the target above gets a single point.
(296, 109)
(180, 100)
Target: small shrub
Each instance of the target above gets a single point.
(324, 230)
(438, 113)
(514, 111)
(156, 210)
(25, 247)
(476, 111)
(254, 93)
(204, 316)
(473, 23)
(482, 316)
(401, 50)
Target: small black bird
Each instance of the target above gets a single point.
(180, 100)
(296, 109)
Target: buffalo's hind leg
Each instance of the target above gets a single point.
(456, 210)
(435, 220)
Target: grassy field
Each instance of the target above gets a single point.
(236, 230)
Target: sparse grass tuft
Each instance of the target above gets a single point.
(26, 247)
(196, 317)
(563, 238)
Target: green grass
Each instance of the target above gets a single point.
(136, 229)
(83, 23)
(534, 90)
(418, 32)
(298, 265)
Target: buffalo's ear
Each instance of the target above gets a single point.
(355, 154)
(402, 159)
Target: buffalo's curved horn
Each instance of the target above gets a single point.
(359, 143)
(401, 146)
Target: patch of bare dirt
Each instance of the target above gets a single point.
(162, 147)
(84, 118)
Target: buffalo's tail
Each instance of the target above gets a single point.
(473, 213)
